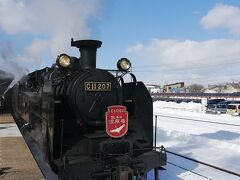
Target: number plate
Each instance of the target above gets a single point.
(97, 86)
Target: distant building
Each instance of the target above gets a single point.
(154, 88)
(225, 88)
(174, 88)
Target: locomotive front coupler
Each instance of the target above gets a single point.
(117, 149)
(117, 173)
(118, 153)
(119, 167)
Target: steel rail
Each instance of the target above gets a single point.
(204, 163)
(197, 120)
(189, 170)
(207, 95)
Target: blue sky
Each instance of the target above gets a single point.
(167, 41)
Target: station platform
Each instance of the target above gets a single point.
(16, 160)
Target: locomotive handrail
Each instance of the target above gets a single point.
(133, 77)
(157, 149)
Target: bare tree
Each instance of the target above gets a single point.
(235, 85)
(222, 87)
(195, 88)
(218, 87)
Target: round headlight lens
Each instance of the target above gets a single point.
(64, 60)
(124, 64)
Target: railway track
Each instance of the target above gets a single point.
(194, 96)
(205, 177)
(202, 163)
(198, 120)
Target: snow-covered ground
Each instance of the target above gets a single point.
(216, 144)
(9, 130)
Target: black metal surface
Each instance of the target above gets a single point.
(67, 120)
(88, 49)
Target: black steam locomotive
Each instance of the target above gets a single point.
(89, 123)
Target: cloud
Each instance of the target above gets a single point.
(188, 54)
(51, 24)
(175, 60)
(223, 16)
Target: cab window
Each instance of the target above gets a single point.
(231, 107)
(221, 106)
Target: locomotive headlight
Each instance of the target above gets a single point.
(63, 60)
(123, 64)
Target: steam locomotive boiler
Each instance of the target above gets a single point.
(88, 122)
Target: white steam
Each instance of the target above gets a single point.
(9, 64)
(49, 25)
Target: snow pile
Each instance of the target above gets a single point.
(183, 128)
(185, 106)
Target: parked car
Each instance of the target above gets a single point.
(233, 109)
(227, 102)
(215, 101)
(216, 108)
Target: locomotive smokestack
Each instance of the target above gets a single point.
(88, 50)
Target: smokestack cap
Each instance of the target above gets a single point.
(86, 43)
(88, 51)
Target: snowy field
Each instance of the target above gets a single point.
(9, 130)
(216, 144)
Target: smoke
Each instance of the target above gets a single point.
(47, 26)
(44, 28)
(12, 71)
(9, 64)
